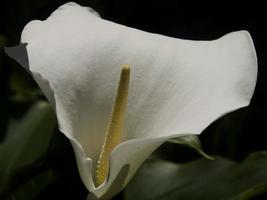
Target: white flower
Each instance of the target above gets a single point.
(177, 87)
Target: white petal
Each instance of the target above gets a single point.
(177, 86)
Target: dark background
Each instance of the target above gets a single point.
(233, 136)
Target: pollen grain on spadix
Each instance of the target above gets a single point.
(115, 126)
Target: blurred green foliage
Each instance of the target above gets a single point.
(31, 188)
(27, 140)
(200, 179)
(37, 162)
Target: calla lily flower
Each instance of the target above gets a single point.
(116, 115)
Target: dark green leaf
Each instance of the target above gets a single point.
(30, 189)
(26, 141)
(3, 40)
(220, 179)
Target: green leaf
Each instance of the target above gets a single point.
(26, 142)
(3, 40)
(220, 179)
(30, 189)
